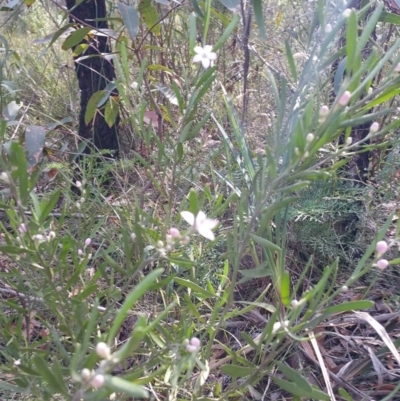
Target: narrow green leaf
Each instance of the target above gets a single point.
(285, 288)
(257, 8)
(237, 370)
(75, 38)
(294, 376)
(344, 394)
(265, 243)
(91, 107)
(90, 289)
(12, 250)
(193, 201)
(250, 341)
(123, 386)
(196, 288)
(230, 4)
(206, 75)
(130, 301)
(383, 97)
(133, 343)
(339, 76)
(369, 27)
(182, 262)
(195, 130)
(227, 32)
(291, 62)
(131, 19)
(389, 18)
(56, 383)
(111, 111)
(351, 41)
(295, 187)
(150, 16)
(257, 272)
(47, 206)
(178, 95)
(192, 31)
(11, 388)
(348, 307)
(79, 49)
(197, 9)
(295, 390)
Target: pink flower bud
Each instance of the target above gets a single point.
(22, 228)
(324, 111)
(97, 381)
(195, 341)
(382, 264)
(344, 99)
(381, 248)
(185, 240)
(88, 241)
(174, 232)
(191, 348)
(80, 252)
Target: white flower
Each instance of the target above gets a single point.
(201, 224)
(204, 55)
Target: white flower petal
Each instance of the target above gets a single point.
(201, 216)
(212, 56)
(206, 62)
(210, 224)
(198, 50)
(206, 233)
(188, 217)
(197, 58)
(207, 49)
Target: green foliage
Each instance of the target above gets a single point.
(117, 294)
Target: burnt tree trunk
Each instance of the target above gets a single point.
(94, 72)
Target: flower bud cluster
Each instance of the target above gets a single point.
(381, 249)
(193, 345)
(81, 200)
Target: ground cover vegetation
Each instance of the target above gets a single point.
(199, 200)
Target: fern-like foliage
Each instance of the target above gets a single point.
(323, 222)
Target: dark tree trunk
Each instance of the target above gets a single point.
(94, 73)
(357, 168)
